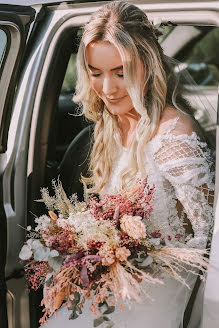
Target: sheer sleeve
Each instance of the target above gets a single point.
(185, 162)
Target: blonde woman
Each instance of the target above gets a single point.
(126, 86)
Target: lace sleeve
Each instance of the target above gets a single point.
(185, 162)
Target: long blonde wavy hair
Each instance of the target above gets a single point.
(127, 28)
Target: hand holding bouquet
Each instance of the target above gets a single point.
(102, 250)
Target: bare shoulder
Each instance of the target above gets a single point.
(184, 123)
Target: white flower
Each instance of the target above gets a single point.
(82, 221)
(25, 253)
(43, 221)
(29, 228)
(62, 223)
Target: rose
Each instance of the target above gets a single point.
(133, 226)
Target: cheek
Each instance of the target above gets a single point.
(96, 86)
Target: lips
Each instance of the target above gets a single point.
(115, 100)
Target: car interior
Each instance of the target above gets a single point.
(64, 138)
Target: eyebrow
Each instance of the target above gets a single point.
(113, 69)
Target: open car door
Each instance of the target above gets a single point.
(15, 22)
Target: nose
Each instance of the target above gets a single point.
(109, 86)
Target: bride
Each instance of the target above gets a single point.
(127, 87)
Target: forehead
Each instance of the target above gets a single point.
(103, 55)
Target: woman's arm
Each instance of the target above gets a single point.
(185, 162)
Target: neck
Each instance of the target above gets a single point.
(127, 126)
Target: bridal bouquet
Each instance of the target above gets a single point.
(105, 251)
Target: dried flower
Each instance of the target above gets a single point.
(133, 226)
(108, 256)
(52, 215)
(100, 250)
(122, 253)
(59, 299)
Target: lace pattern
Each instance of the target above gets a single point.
(180, 167)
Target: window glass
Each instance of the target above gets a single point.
(3, 44)
(70, 76)
(196, 47)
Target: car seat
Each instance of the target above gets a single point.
(75, 162)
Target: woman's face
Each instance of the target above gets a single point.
(106, 77)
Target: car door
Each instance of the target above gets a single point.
(15, 22)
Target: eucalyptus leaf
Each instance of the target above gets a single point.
(54, 253)
(103, 307)
(110, 309)
(77, 296)
(75, 301)
(25, 253)
(49, 276)
(146, 262)
(41, 254)
(78, 309)
(155, 241)
(36, 244)
(73, 315)
(55, 262)
(98, 321)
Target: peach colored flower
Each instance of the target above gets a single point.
(108, 257)
(52, 215)
(59, 299)
(133, 226)
(122, 253)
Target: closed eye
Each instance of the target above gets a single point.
(95, 74)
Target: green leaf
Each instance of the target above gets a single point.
(55, 262)
(98, 321)
(110, 309)
(73, 315)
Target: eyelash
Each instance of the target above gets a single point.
(98, 74)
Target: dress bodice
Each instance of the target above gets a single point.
(180, 168)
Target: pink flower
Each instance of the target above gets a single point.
(122, 253)
(133, 226)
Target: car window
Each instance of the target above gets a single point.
(70, 76)
(3, 45)
(196, 47)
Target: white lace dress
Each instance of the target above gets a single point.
(179, 167)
